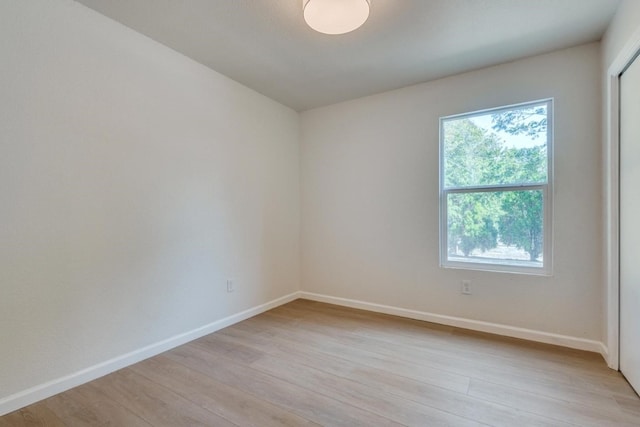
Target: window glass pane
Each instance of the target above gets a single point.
(504, 147)
(496, 227)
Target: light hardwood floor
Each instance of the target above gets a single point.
(309, 364)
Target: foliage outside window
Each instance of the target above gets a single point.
(495, 179)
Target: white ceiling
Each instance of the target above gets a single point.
(264, 44)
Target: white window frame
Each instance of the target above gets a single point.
(547, 199)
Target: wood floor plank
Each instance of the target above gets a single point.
(379, 379)
(484, 343)
(156, 405)
(379, 401)
(307, 404)
(568, 385)
(570, 412)
(500, 349)
(86, 406)
(328, 345)
(567, 382)
(36, 415)
(233, 404)
(629, 405)
(308, 363)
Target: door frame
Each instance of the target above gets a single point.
(612, 198)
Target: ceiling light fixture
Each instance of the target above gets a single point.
(335, 16)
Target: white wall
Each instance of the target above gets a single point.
(625, 22)
(622, 34)
(133, 182)
(370, 198)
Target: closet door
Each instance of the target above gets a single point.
(630, 224)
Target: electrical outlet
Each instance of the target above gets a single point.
(231, 286)
(466, 287)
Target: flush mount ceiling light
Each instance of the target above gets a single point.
(335, 16)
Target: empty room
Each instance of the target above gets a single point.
(319, 213)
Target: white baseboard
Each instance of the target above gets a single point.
(475, 325)
(604, 351)
(43, 391)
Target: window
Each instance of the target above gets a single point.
(495, 189)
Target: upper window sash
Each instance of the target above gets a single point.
(473, 143)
